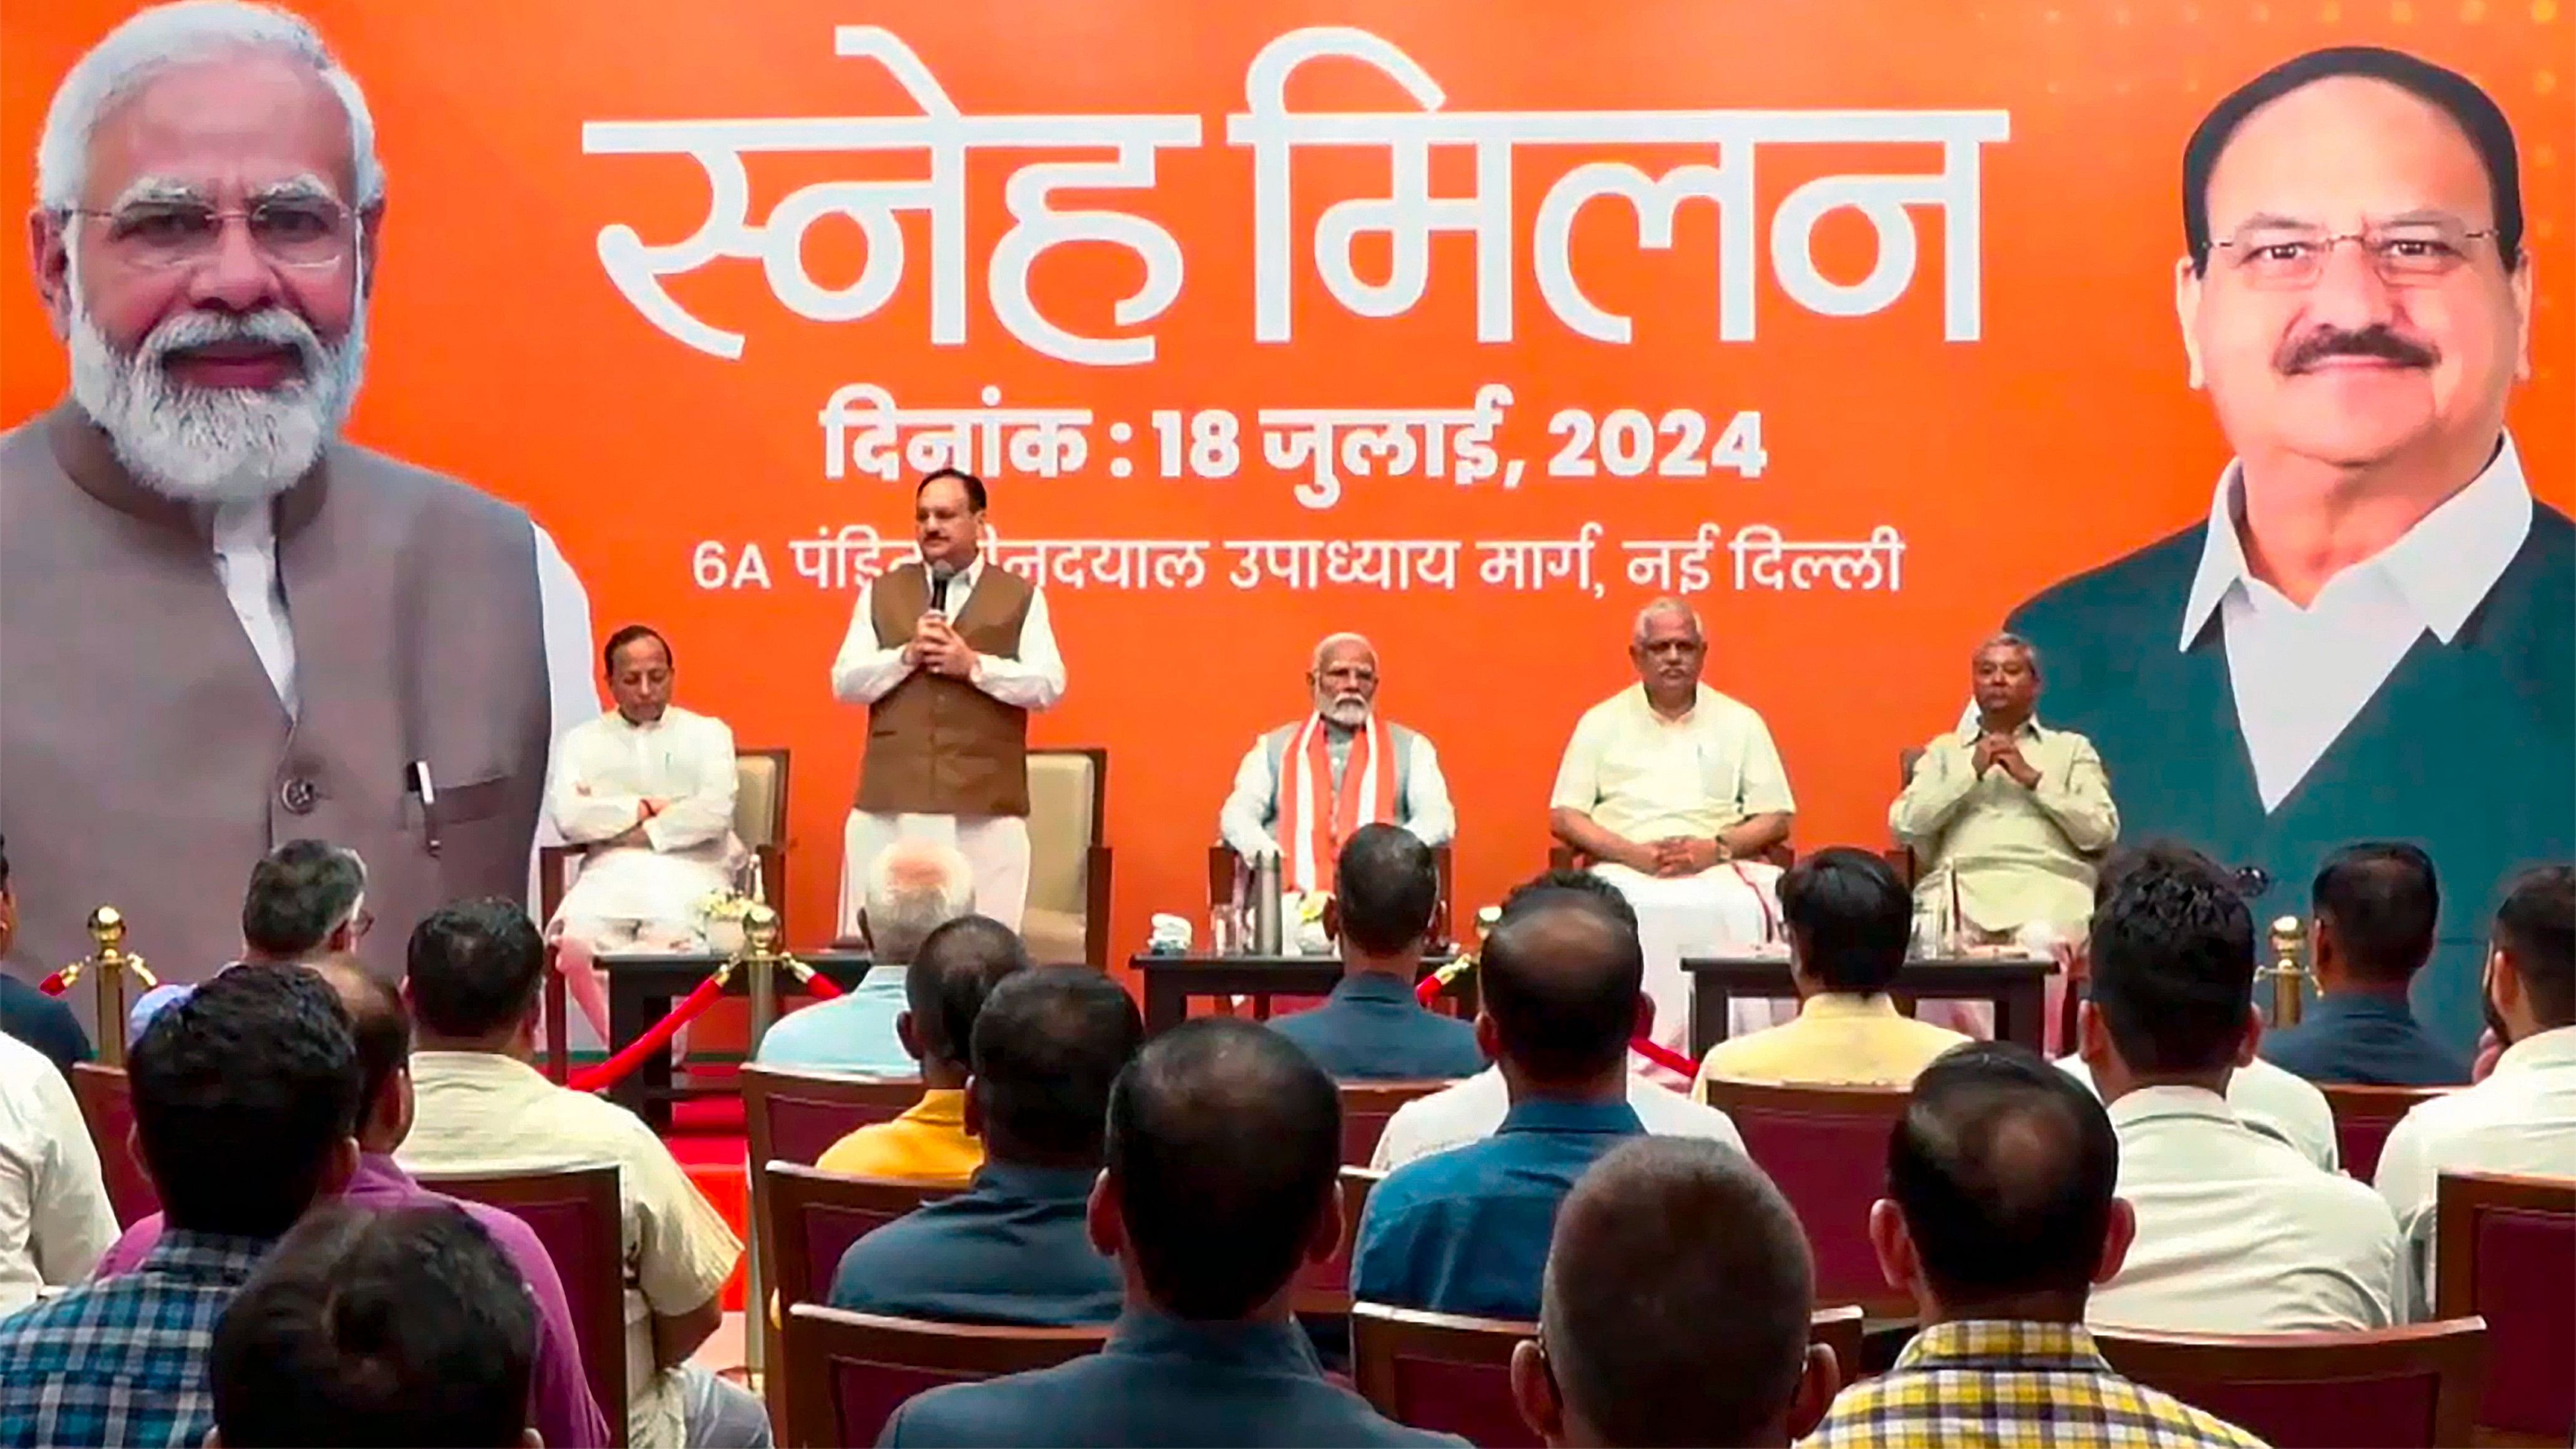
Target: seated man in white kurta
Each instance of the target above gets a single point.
(1674, 791)
(1305, 788)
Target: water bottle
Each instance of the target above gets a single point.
(1266, 906)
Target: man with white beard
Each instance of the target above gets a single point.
(224, 626)
(1308, 786)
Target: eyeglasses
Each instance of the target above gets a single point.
(2407, 254)
(302, 231)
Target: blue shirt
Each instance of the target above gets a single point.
(1465, 1231)
(1011, 1249)
(1160, 1381)
(853, 1034)
(122, 1360)
(42, 1022)
(2352, 1039)
(1374, 1029)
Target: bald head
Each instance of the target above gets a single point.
(914, 888)
(1676, 1300)
(380, 1025)
(1561, 977)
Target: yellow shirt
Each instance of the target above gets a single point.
(1837, 1040)
(2020, 855)
(1643, 777)
(928, 1143)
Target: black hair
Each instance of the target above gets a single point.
(2003, 1167)
(242, 1090)
(299, 893)
(1850, 918)
(1582, 882)
(1048, 1044)
(1387, 888)
(1224, 1143)
(973, 485)
(1561, 979)
(4, 862)
(2536, 926)
(628, 635)
(2172, 953)
(474, 967)
(2382, 899)
(2455, 95)
(956, 968)
(379, 1026)
(377, 1327)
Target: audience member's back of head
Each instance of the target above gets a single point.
(367, 1328)
(1850, 918)
(914, 887)
(2536, 929)
(949, 979)
(1548, 883)
(2380, 901)
(379, 1025)
(2003, 1169)
(474, 968)
(1048, 1044)
(245, 1095)
(299, 894)
(1677, 1299)
(1386, 888)
(1560, 978)
(1225, 1141)
(2172, 951)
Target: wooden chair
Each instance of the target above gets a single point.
(849, 1372)
(811, 1217)
(1366, 1109)
(2390, 1388)
(1326, 1287)
(1067, 915)
(575, 1212)
(1826, 1147)
(106, 1100)
(2505, 1250)
(759, 822)
(1223, 862)
(1452, 1374)
(2363, 1118)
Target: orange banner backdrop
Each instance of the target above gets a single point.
(1892, 281)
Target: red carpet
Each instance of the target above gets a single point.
(706, 1137)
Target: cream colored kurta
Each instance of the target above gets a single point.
(2020, 855)
(605, 770)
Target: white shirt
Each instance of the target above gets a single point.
(2521, 1119)
(2268, 1099)
(54, 1218)
(607, 767)
(1472, 1110)
(2238, 1233)
(863, 673)
(2301, 675)
(1644, 777)
(1252, 807)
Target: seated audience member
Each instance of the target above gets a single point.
(1678, 1292)
(1466, 1231)
(26, 1013)
(914, 887)
(1999, 1218)
(945, 987)
(2237, 1233)
(306, 899)
(1015, 1247)
(1467, 1111)
(1298, 780)
(1373, 1027)
(380, 1026)
(474, 969)
(245, 1095)
(371, 1327)
(2375, 907)
(2522, 1118)
(1849, 925)
(1223, 1148)
(2266, 1098)
(54, 1217)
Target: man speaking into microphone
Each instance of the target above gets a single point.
(949, 655)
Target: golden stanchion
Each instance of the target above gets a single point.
(2288, 971)
(763, 956)
(106, 966)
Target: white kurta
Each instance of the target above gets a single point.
(605, 770)
(996, 847)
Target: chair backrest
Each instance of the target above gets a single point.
(760, 797)
(848, 1372)
(793, 1116)
(1366, 1106)
(2505, 1250)
(2385, 1388)
(1827, 1149)
(574, 1211)
(2363, 1118)
(107, 1107)
(1325, 1287)
(812, 1217)
(1068, 794)
(1452, 1374)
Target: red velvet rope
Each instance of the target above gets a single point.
(616, 1067)
(821, 987)
(1429, 988)
(52, 985)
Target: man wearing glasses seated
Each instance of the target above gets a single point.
(307, 902)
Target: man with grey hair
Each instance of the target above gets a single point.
(1674, 793)
(306, 900)
(914, 887)
(1307, 787)
(208, 215)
